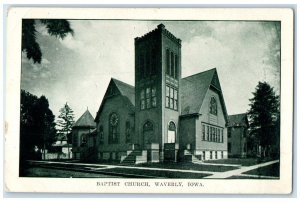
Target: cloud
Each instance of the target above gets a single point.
(41, 28)
(45, 61)
(78, 68)
(241, 53)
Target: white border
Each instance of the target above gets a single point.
(15, 184)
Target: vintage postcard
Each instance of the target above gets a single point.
(149, 100)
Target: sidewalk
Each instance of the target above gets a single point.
(213, 175)
(230, 173)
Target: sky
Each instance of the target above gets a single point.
(77, 69)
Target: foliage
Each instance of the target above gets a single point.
(56, 27)
(65, 122)
(264, 115)
(37, 126)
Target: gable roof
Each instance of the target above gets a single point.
(194, 89)
(117, 87)
(86, 120)
(238, 120)
(126, 90)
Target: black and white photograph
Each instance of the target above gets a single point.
(148, 100)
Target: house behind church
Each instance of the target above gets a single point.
(237, 130)
(163, 117)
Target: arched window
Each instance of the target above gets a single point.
(83, 140)
(148, 130)
(113, 128)
(171, 132)
(172, 65)
(213, 106)
(168, 68)
(176, 67)
(148, 126)
(153, 62)
(101, 135)
(127, 132)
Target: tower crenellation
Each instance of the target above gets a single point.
(160, 29)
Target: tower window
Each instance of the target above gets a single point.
(148, 67)
(171, 98)
(172, 65)
(142, 63)
(175, 99)
(142, 99)
(148, 104)
(167, 62)
(176, 67)
(153, 96)
(153, 62)
(167, 96)
(148, 98)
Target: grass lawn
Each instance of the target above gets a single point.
(271, 170)
(155, 173)
(57, 173)
(247, 177)
(69, 166)
(239, 161)
(187, 166)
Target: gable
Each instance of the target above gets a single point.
(215, 81)
(238, 120)
(118, 88)
(86, 120)
(214, 118)
(194, 89)
(111, 90)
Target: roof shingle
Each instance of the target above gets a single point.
(193, 91)
(86, 120)
(238, 120)
(126, 90)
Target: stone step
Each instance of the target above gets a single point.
(134, 157)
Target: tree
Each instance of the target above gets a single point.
(37, 126)
(55, 27)
(264, 116)
(65, 123)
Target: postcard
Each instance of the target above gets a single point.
(149, 100)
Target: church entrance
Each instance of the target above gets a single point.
(148, 133)
(171, 132)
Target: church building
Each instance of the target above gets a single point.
(164, 117)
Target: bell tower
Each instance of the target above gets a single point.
(157, 89)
